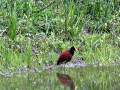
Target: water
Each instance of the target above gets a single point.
(83, 78)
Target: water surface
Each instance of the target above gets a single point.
(83, 78)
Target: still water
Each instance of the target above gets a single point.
(82, 78)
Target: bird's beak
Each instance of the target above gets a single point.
(77, 49)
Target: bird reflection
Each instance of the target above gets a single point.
(66, 81)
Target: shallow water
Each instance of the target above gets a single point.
(83, 78)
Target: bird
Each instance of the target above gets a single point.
(66, 56)
(66, 81)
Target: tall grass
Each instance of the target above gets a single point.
(12, 22)
(53, 26)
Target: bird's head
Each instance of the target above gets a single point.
(72, 49)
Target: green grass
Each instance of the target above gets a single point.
(95, 49)
(38, 30)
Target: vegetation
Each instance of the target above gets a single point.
(34, 32)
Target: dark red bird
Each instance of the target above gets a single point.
(66, 81)
(66, 56)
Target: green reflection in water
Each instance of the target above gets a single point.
(84, 78)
